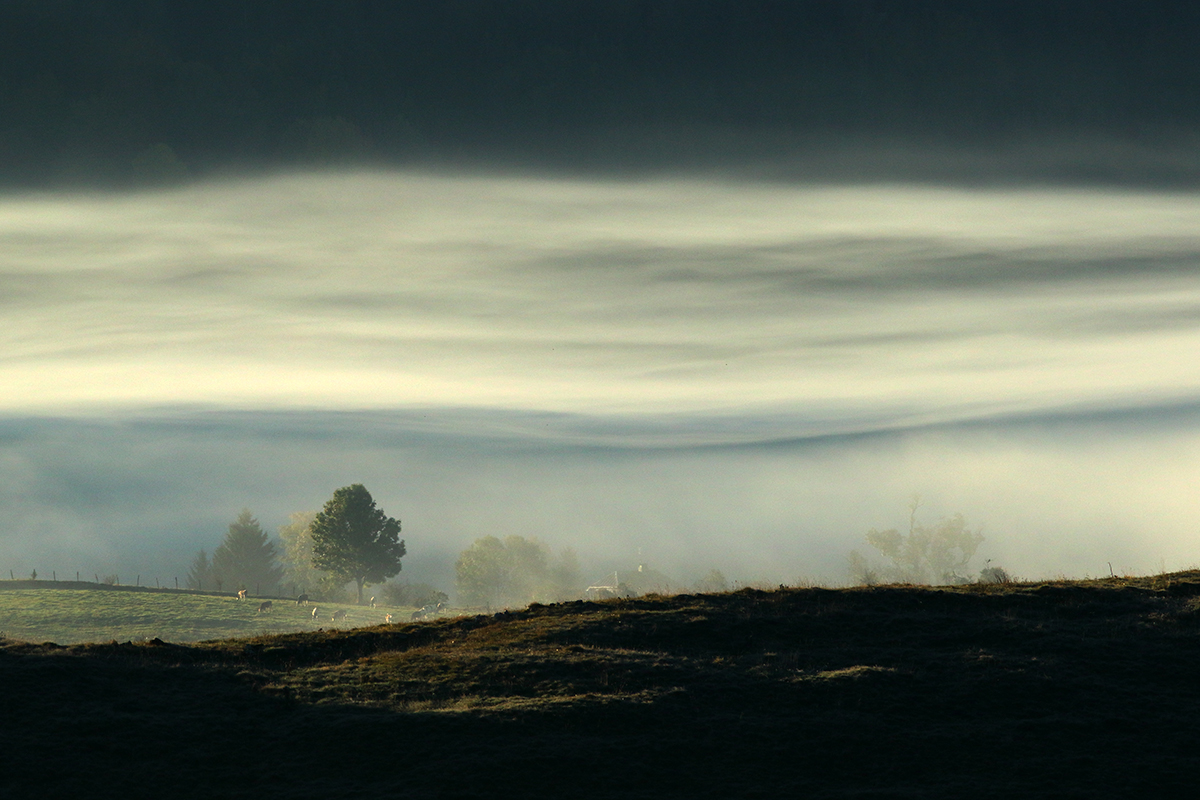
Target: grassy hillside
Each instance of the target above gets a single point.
(1063, 689)
(71, 613)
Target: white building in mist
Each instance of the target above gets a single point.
(632, 583)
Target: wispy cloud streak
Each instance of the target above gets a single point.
(397, 290)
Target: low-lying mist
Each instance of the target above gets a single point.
(692, 374)
(1053, 496)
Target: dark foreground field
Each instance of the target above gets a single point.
(1088, 689)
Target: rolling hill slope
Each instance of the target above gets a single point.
(1057, 689)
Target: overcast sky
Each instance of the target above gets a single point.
(731, 340)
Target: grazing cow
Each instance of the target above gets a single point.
(315, 610)
(388, 619)
(302, 600)
(241, 594)
(431, 610)
(339, 614)
(264, 606)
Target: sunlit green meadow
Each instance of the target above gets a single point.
(78, 615)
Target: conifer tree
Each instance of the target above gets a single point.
(200, 572)
(246, 559)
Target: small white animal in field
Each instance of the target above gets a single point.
(264, 606)
(388, 619)
(372, 602)
(241, 594)
(339, 614)
(315, 610)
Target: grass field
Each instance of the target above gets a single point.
(1059, 689)
(88, 612)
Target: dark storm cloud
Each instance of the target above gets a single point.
(144, 91)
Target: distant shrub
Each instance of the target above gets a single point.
(713, 582)
(861, 571)
(111, 580)
(994, 575)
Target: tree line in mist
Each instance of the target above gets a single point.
(351, 541)
(145, 90)
(351, 545)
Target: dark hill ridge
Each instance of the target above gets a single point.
(1055, 689)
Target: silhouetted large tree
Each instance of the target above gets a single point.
(354, 540)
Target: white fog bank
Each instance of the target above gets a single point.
(701, 374)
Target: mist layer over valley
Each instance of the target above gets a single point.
(697, 286)
(687, 372)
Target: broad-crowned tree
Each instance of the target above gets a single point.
(354, 540)
(513, 572)
(297, 557)
(246, 558)
(937, 553)
(295, 540)
(481, 574)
